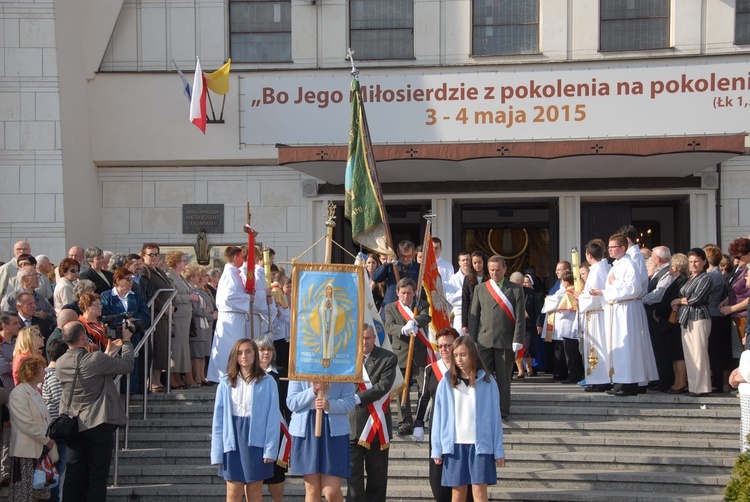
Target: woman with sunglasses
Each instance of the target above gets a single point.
(63, 295)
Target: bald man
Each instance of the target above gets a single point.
(10, 269)
(63, 317)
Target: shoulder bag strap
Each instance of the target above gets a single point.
(75, 378)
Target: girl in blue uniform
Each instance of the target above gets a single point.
(467, 431)
(323, 460)
(245, 431)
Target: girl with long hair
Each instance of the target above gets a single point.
(245, 430)
(467, 430)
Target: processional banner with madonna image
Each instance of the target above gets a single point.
(327, 316)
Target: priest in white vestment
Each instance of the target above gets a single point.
(233, 305)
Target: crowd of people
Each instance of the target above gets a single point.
(631, 320)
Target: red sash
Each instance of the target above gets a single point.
(437, 371)
(431, 355)
(502, 301)
(376, 422)
(285, 447)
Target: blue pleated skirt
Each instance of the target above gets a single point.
(244, 465)
(320, 455)
(465, 467)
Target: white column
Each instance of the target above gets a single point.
(702, 218)
(442, 224)
(316, 228)
(570, 225)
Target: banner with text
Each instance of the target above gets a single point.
(519, 102)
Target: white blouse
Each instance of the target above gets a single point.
(242, 398)
(464, 400)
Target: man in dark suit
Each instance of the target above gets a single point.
(28, 315)
(367, 449)
(497, 323)
(402, 321)
(657, 286)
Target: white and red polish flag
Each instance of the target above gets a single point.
(198, 98)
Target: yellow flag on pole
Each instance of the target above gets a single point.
(218, 81)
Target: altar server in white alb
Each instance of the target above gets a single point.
(233, 305)
(634, 251)
(622, 320)
(591, 307)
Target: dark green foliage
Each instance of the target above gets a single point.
(738, 489)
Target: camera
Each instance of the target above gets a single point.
(114, 324)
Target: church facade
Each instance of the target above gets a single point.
(527, 127)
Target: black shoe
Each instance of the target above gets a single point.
(624, 393)
(696, 394)
(598, 388)
(611, 392)
(505, 418)
(405, 430)
(642, 389)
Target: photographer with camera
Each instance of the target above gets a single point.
(96, 406)
(121, 305)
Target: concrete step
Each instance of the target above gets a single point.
(405, 458)
(561, 445)
(405, 472)
(294, 492)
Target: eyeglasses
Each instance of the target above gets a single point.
(129, 279)
(73, 270)
(614, 247)
(96, 305)
(153, 255)
(445, 346)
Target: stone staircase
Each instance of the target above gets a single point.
(561, 445)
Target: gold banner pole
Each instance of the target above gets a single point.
(330, 224)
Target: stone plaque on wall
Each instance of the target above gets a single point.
(209, 217)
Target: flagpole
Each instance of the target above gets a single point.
(250, 263)
(211, 103)
(371, 161)
(425, 242)
(330, 224)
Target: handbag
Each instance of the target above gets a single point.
(673, 317)
(64, 426)
(45, 475)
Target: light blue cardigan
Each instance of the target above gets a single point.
(488, 424)
(300, 401)
(264, 421)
